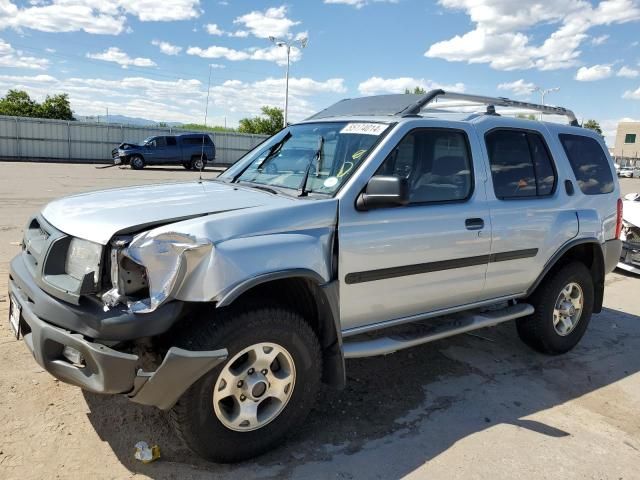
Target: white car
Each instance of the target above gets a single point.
(629, 172)
(630, 235)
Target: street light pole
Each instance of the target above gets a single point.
(302, 43)
(286, 87)
(544, 93)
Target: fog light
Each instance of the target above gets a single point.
(74, 356)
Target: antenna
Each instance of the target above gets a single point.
(206, 112)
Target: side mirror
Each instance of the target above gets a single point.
(384, 191)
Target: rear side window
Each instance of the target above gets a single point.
(171, 141)
(521, 165)
(589, 163)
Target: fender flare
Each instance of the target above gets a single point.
(597, 269)
(328, 304)
(228, 296)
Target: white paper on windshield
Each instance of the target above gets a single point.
(365, 128)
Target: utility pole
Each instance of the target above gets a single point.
(543, 93)
(302, 43)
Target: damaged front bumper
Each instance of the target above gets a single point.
(102, 369)
(630, 257)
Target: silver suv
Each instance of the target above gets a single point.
(378, 224)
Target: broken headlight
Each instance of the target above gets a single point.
(83, 257)
(150, 269)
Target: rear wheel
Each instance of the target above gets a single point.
(563, 306)
(262, 393)
(187, 165)
(198, 162)
(136, 162)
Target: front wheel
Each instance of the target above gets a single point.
(263, 391)
(137, 162)
(563, 306)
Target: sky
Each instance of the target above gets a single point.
(151, 59)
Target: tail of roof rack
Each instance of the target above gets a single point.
(407, 105)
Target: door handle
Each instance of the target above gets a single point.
(474, 223)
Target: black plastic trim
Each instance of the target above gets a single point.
(416, 269)
(557, 256)
(89, 317)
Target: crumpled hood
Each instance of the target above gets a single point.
(631, 212)
(97, 216)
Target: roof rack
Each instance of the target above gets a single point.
(397, 105)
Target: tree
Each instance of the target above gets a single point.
(268, 124)
(526, 117)
(416, 91)
(56, 106)
(18, 103)
(593, 125)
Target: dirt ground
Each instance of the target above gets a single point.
(474, 406)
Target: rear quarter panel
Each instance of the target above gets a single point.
(596, 213)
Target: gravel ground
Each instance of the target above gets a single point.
(481, 406)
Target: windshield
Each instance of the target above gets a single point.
(317, 157)
(148, 140)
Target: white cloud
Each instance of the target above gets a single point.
(599, 40)
(166, 47)
(632, 94)
(271, 54)
(115, 55)
(378, 85)
(213, 29)
(239, 34)
(590, 74)
(271, 22)
(179, 100)
(627, 72)
(358, 3)
(92, 16)
(501, 35)
(12, 58)
(519, 87)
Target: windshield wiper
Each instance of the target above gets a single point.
(275, 149)
(302, 189)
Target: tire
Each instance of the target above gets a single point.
(196, 161)
(538, 330)
(187, 165)
(136, 162)
(200, 423)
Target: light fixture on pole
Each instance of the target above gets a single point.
(301, 43)
(543, 93)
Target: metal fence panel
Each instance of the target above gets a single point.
(59, 140)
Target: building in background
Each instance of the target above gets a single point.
(627, 149)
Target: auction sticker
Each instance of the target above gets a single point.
(365, 128)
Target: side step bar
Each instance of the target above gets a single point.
(461, 324)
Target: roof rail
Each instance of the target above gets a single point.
(429, 97)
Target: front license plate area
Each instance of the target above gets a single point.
(14, 316)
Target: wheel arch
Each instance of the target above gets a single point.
(587, 251)
(315, 299)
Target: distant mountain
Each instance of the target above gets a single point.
(141, 122)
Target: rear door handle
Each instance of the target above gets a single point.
(474, 223)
